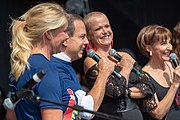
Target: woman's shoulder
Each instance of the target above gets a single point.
(38, 59)
(148, 70)
(39, 62)
(88, 63)
(145, 68)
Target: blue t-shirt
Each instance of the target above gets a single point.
(71, 83)
(49, 88)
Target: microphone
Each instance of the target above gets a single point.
(34, 80)
(92, 54)
(10, 102)
(113, 53)
(174, 60)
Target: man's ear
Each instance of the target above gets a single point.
(48, 35)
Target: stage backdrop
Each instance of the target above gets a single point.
(127, 17)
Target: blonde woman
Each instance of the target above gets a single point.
(117, 99)
(36, 35)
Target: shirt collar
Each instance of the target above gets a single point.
(62, 56)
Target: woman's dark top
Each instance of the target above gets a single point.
(174, 112)
(115, 101)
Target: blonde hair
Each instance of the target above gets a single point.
(28, 30)
(88, 18)
(151, 34)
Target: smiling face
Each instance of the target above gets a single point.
(155, 39)
(77, 43)
(161, 49)
(100, 32)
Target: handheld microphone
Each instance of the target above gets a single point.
(174, 60)
(113, 53)
(92, 54)
(10, 102)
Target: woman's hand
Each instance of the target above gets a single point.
(176, 75)
(127, 62)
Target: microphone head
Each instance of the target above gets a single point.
(174, 60)
(8, 105)
(41, 74)
(91, 53)
(173, 56)
(38, 76)
(112, 52)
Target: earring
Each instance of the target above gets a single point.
(150, 53)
